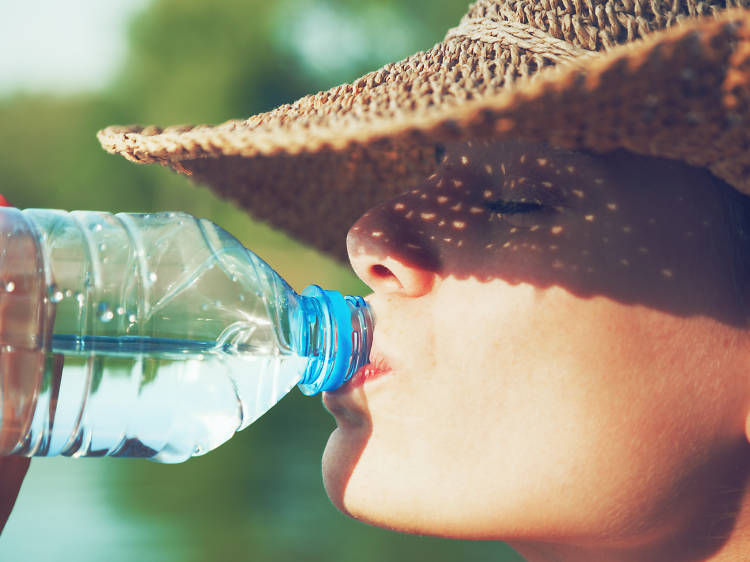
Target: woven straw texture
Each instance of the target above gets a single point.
(657, 78)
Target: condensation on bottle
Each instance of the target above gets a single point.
(153, 335)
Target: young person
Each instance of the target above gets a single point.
(561, 359)
(557, 244)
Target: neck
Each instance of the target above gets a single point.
(717, 528)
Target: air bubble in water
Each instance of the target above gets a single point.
(68, 293)
(120, 310)
(204, 307)
(102, 247)
(55, 294)
(152, 278)
(96, 227)
(242, 297)
(105, 314)
(131, 318)
(79, 298)
(10, 286)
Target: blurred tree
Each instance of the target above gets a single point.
(197, 61)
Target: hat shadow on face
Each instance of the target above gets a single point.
(635, 229)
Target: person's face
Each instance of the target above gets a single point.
(557, 343)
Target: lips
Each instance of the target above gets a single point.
(377, 367)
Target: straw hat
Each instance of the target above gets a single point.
(668, 79)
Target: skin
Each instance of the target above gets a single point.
(565, 359)
(22, 364)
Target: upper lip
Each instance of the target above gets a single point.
(378, 362)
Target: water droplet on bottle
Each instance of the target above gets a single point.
(105, 314)
(242, 297)
(79, 298)
(68, 293)
(234, 278)
(10, 286)
(217, 303)
(120, 310)
(152, 278)
(102, 247)
(96, 227)
(7, 348)
(55, 294)
(131, 318)
(204, 307)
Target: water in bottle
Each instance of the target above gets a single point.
(156, 335)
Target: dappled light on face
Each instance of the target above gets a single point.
(632, 228)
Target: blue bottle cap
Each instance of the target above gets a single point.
(333, 369)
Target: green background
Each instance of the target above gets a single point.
(260, 496)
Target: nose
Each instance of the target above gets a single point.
(389, 256)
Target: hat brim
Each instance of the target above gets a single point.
(683, 93)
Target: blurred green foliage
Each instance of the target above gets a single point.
(260, 496)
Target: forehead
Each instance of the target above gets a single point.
(516, 165)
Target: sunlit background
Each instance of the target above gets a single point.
(70, 68)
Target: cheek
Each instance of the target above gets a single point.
(531, 410)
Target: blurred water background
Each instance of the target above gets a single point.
(70, 68)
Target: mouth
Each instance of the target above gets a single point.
(376, 368)
(348, 404)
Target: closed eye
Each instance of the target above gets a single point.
(513, 207)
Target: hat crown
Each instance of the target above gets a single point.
(596, 25)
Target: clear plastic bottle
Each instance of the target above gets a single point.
(153, 335)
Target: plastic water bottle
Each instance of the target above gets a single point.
(153, 335)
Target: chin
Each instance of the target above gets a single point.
(335, 473)
(385, 498)
(352, 492)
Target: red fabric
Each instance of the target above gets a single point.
(4, 202)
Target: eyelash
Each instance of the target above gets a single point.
(513, 207)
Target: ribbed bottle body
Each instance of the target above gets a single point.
(163, 336)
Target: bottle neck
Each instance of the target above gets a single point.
(335, 332)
